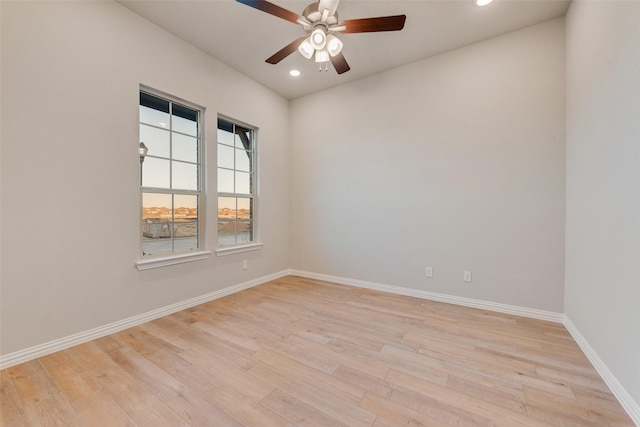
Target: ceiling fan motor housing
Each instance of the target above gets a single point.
(314, 16)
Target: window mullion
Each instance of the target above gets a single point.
(171, 145)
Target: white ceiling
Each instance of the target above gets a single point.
(243, 37)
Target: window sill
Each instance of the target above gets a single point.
(238, 249)
(173, 259)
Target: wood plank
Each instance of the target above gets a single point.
(70, 377)
(154, 379)
(296, 412)
(193, 405)
(331, 402)
(391, 413)
(99, 409)
(54, 410)
(31, 382)
(305, 374)
(11, 409)
(439, 410)
(141, 405)
(243, 408)
(91, 357)
(505, 398)
(364, 381)
(499, 415)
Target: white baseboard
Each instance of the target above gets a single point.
(450, 299)
(101, 331)
(631, 406)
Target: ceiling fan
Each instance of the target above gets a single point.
(319, 20)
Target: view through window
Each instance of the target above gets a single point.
(170, 175)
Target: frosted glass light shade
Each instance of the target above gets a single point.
(306, 49)
(334, 45)
(322, 55)
(318, 39)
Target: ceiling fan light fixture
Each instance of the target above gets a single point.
(319, 20)
(318, 39)
(306, 49)
(322, 55)
(482, 2)
(334, 45)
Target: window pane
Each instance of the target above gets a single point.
(156, 207)
(226, 207)
(184, 120)
(156, 223)
(185, 216)
(243, 160)
(154, 117)
(155, 172)
(156, 140)
(244, 208)
(154, 102)
(243, 183)
(185, 148)
(225, 156)
(244, 232)
(225, 137)
(243, 138)
(225, 181)
(184, 176)
(226, 232)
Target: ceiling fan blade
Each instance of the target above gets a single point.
(339, 63)
(272, 9)
(285, 51)
(372, 25)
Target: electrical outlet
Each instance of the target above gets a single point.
(245, 264)
(429, 272)
(467, 276)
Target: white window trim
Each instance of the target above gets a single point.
(230, 250)
(178, 258)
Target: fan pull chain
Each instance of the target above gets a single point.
(326, 66)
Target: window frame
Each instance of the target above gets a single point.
(175, 256)
(253, 195)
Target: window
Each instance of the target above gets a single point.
(236, 184)
(170, 175)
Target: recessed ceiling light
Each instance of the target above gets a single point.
(482, 2)
(294, 73)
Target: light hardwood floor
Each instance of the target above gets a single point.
(299, 352)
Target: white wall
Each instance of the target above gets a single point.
(70, 203)
(456, 162)
(603, 183)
